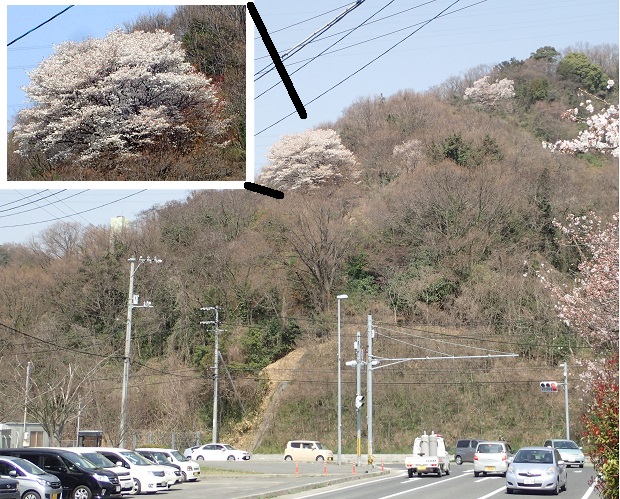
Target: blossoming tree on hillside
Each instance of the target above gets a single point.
(489, 94)
(314, 158)
(117, 96)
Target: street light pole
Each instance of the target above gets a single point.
(340, 297)
(131, 304)
(216, 371)
(565, 365)
(26, 403)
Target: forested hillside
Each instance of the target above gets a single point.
(440, 230)
(163, 99)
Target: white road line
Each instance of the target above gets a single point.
(359, 484)
(409, 491)
(501, 489)
(589, 491)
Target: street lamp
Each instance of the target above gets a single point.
(132, 302)
(339, 297)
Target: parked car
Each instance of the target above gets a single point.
(189, 469)
(9, 488)
(307, 450)
(157, 457)
(34, 483)
(536, 468)
(465, 450)
(148, 477)
(571, 453)
(80, 478)
(219, 452)
(492, 457)
(123, 474)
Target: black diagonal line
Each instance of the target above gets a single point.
(286, 79)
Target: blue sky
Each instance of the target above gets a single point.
(25, 213)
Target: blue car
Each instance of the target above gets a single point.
(539, 469)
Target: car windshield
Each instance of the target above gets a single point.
(526, 456)
(136, 459)
(83, 463)
(318, 445)
(159, 458)
(490, 448)
(566, 444)
(177, 455)
(28, 467)
(98, 459)
(228, 447)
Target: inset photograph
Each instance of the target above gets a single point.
(126, 93)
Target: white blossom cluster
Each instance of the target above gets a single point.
(489, 94)
(116, 95)
(410, 152)
(309, 159)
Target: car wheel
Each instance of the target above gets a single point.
(137, 486)
(320, 458)
(509, 491)
(410, 473)
(230, 458)
(31, 494)
(184, 476)
(581, 465)
(556, 490)
(200, 458)
(563, 488)
(458, 460)
(81, 492)
(476, 474)
(288, 458)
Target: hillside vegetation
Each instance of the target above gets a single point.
(441, 247)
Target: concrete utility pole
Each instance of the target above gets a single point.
(26, 402)
(340, 297)
(132, 302)
(358, 398)
(369, 389)
(216, 370)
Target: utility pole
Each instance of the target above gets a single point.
(216, 370)
(339, 297)
(26, 402)
(358, 398)
(132, 302)
(369, 390)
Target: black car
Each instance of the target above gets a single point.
(9, 488)
(80, 478)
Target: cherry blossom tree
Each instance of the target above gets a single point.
(601, 133)
(489, 94)
(117, 96)
(590, 308)
(310, 159)
(409, 152)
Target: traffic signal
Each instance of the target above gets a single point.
(549, 386)
(359, 401)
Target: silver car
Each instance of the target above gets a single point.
(537, 469)
(570, 452)
(34, 483)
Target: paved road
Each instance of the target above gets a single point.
(265, 479)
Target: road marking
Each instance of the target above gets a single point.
(589, 491)
(501, 489)
(486, 478)
(353, 486)
(408, 491)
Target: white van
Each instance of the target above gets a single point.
(307, 450)
(148, 477)
(189, 468)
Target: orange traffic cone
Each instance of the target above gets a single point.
(296, 468)
(325, 468)
(354, 469)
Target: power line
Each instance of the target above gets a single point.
(37, 27)
(365, 65)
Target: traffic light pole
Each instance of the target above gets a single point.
(566, 399)
(358, 399)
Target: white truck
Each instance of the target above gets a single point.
(429, 456)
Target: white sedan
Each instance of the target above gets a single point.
(219, 452)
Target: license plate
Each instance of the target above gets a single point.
(54, 496)
(489, 468)
(529, 481)
(421, 468)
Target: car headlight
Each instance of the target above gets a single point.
(511, 469)
(43, 482)
(101, 478)
(550, 470)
